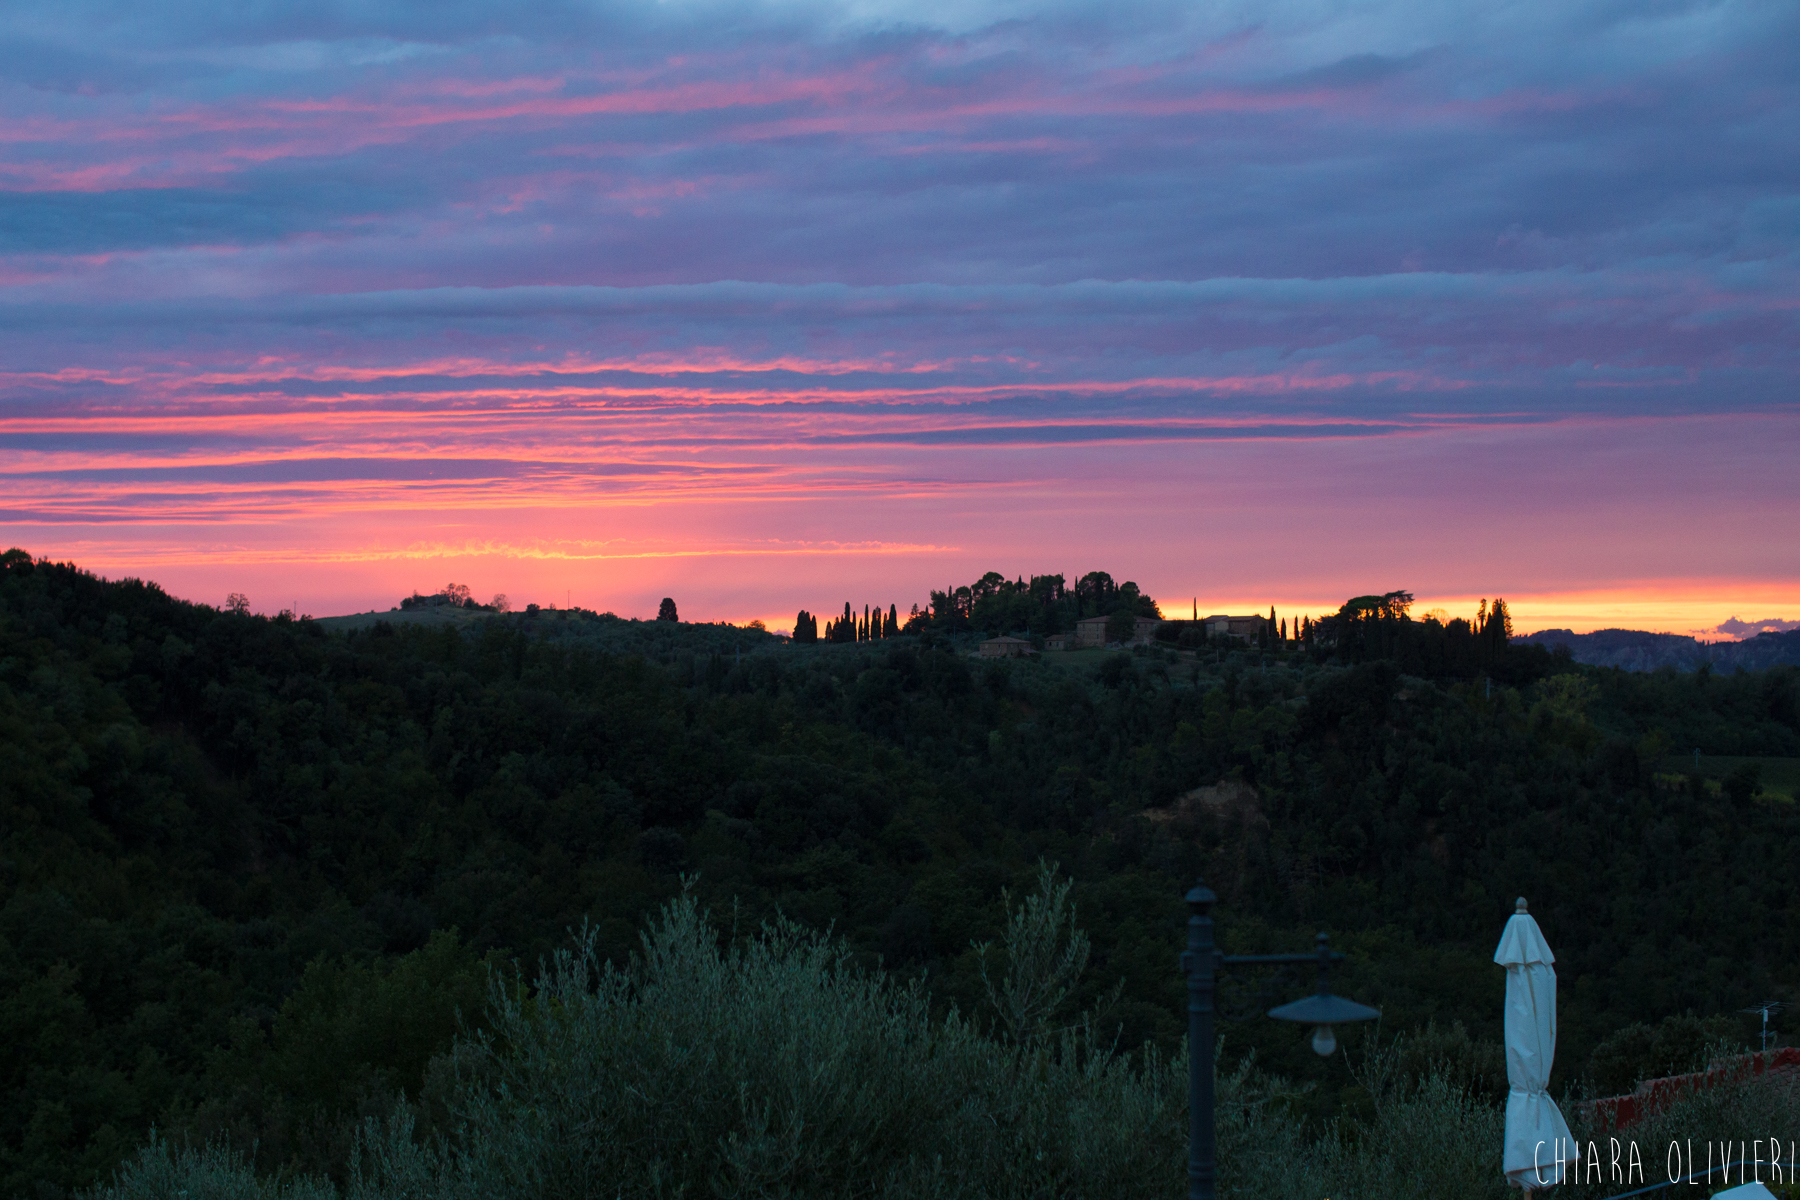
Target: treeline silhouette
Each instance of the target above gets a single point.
(1382, 627)
(871, 626)
(254, 875)
(991, 605)
(1364, 628)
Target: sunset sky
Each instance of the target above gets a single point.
(770, 306)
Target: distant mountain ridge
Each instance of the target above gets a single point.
(1637, 650)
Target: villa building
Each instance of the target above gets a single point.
(1245, 629)
(1091, 631)
(1005, 647)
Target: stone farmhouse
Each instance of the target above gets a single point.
(1091, 631)
(1245, 629)
(1005, 647)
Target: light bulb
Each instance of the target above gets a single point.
(1322, 1041)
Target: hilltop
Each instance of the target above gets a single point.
(1636, 650)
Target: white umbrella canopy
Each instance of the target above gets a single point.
(1538, 1146)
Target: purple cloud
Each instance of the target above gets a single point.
(275, 252)
(1734, 628)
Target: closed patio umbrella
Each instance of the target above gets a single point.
(1538, 1145)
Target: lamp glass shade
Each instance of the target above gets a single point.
(1324, 1009)
(1323, 1041)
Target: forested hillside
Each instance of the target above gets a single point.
(1636, 650)
(254, 874)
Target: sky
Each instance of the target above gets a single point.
(768, 306)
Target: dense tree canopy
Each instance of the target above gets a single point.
(253, 873)
(994, 605)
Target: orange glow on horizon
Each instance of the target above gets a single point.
(742, 516)
(524, 570)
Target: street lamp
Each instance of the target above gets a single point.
(1200, 963)
(1321, 1010)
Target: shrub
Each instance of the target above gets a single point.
(1674, 1046)
(769, 1066)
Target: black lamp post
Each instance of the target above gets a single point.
(1200, 964)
